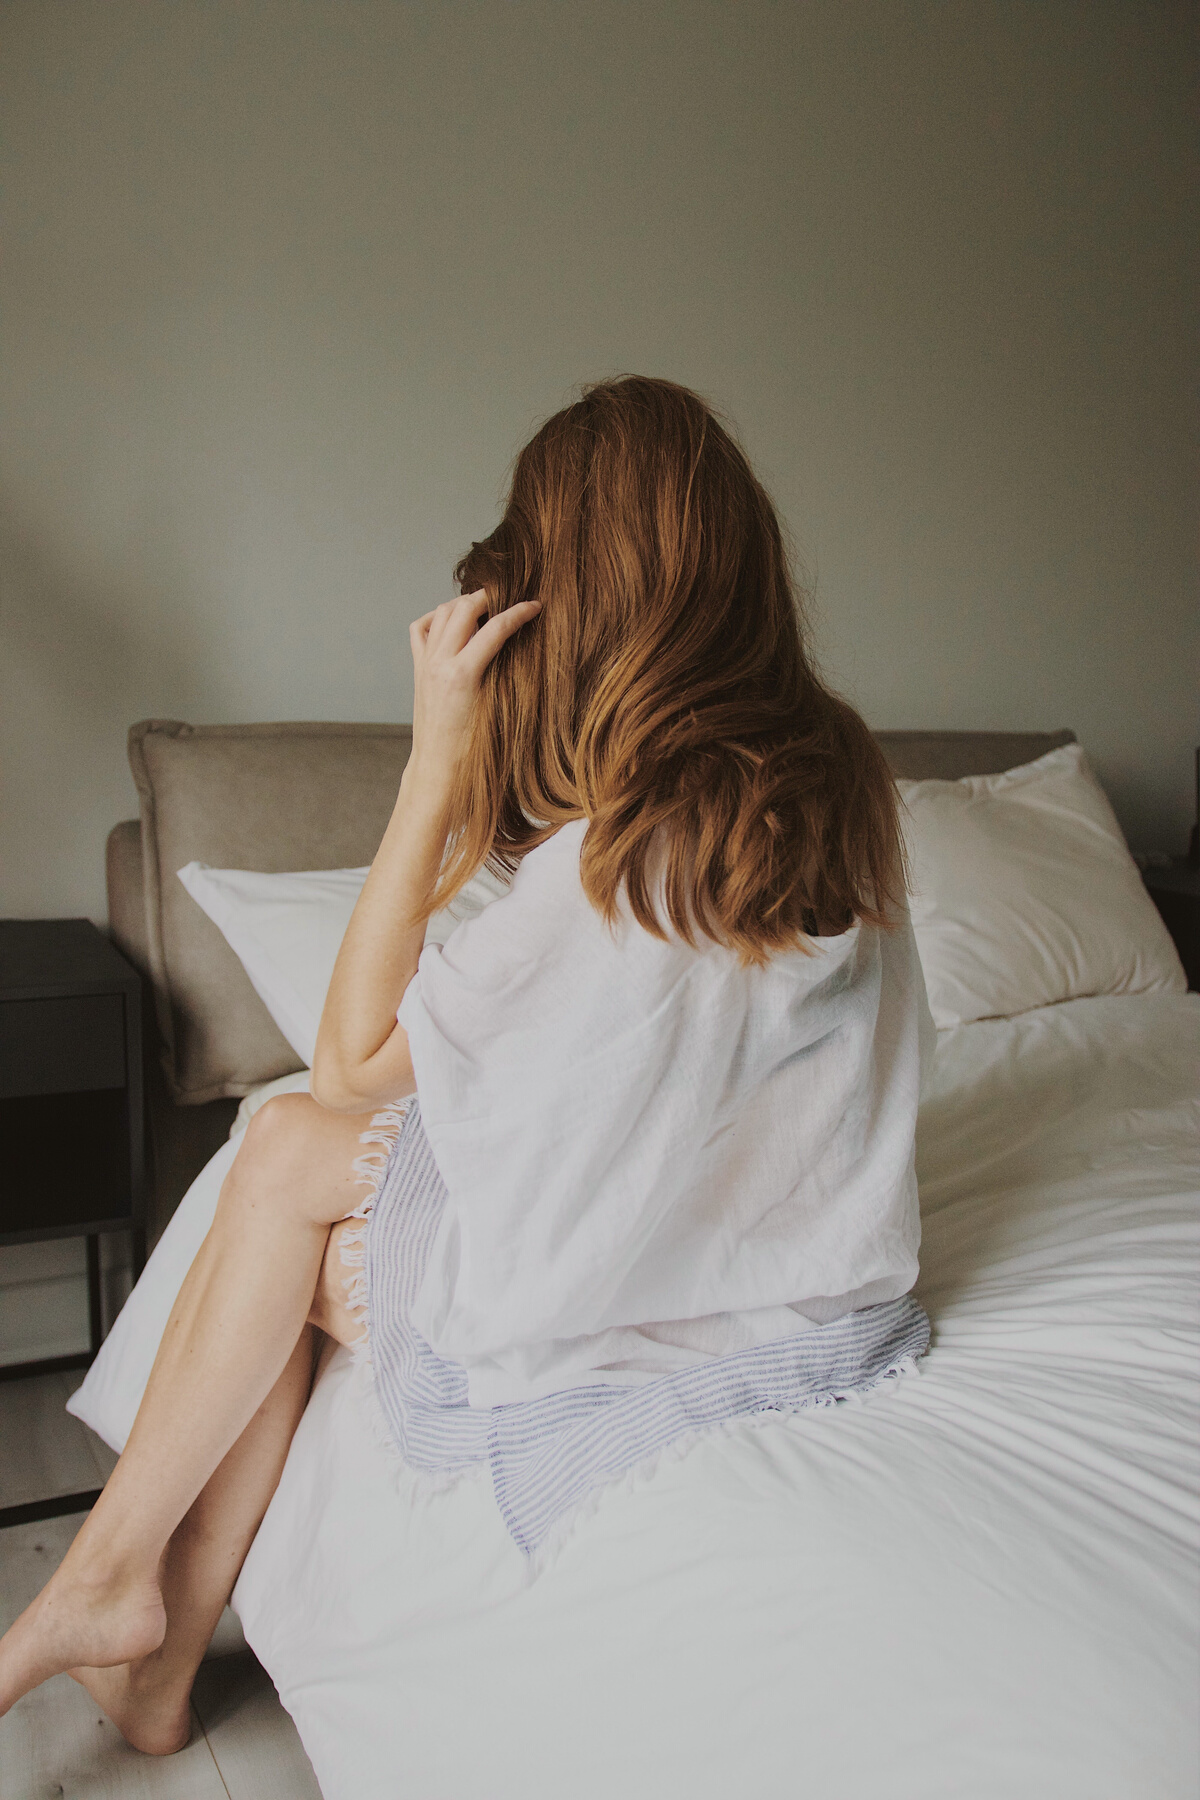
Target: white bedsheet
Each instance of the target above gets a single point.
(980, 1585)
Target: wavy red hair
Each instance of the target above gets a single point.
(665, 692)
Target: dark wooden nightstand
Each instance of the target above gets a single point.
(1176, 893)
(71, 1110)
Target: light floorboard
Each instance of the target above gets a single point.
(55, 1744)
(253, 1741)
(45, 1451)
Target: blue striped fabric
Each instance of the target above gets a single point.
(547, 1455)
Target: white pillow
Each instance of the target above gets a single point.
(1025, 893)
(287, 929)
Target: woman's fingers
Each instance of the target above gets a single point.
(438, 620)
(452, 631)
(450, 652)
(489, 638)
(462, 617)
(449, 625)
(418, 631)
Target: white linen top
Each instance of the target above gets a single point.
(654, 1155)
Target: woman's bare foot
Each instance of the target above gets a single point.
(150, 1705)
(80, 1620)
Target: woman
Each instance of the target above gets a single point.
(670, 1079)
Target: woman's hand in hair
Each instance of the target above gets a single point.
(450, 650)
(362, 1057)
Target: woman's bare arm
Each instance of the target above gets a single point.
(362, 1058)
(231, 1339)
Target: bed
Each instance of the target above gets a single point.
(981, 1581)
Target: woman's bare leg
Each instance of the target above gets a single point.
(148, 1700)
(230, 1337)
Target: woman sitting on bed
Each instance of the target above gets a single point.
(669, 1080)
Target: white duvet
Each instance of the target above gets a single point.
(979, 1585)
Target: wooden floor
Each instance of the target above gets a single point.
(56, 1742)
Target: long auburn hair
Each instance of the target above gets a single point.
(665, 693)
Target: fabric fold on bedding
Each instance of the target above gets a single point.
(548, 1455)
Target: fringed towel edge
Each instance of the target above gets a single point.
(408, 1482)
(369, 1171)
(539, 1558)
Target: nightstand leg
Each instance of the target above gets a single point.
(138, 1250)
(95, 1298)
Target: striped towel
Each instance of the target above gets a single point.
(547, 1455)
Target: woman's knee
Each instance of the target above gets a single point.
(301, 1154)
(282, 1132)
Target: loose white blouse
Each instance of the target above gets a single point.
(655, 1156)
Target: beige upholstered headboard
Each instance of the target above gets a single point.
(949, 755)
(308, 796)
(267, 797)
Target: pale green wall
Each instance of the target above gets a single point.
(284, 285)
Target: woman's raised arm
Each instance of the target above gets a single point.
(362, 1058)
